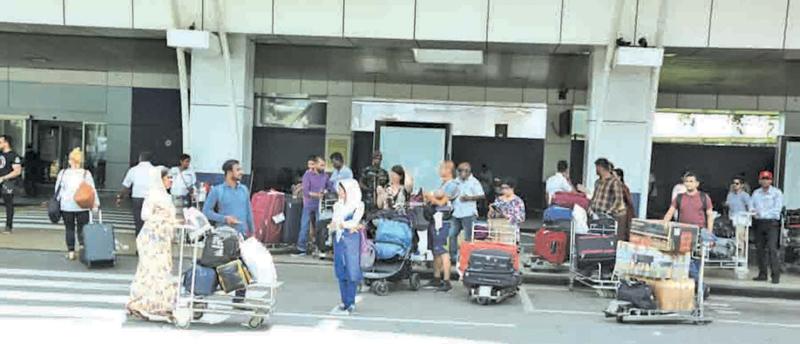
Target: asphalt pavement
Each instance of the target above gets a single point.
(41, 290)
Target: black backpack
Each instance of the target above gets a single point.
(703, 198)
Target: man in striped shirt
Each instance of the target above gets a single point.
(608, 196)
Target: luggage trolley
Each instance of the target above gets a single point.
(603, 281)
(499, 231)
(738, 262)
(624, 313)
(258, 305)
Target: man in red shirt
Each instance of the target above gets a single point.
(694, 206)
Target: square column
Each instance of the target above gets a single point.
(221, 107)
(621, 108)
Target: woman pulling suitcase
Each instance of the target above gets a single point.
(345, 226)
(77, 195)
(153, 289)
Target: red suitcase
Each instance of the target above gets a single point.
(265, 206)
(570, 199)
(551, 246)
(466, 249)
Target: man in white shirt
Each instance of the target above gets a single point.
(136, 184)
(465, 206)
(183, 182)
(559, 182)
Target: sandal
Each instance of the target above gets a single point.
(71, 255)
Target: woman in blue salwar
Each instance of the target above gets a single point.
(345, 225)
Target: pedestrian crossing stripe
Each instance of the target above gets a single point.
(65, 274)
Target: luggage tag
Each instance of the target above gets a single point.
(437, 220)
(278, 219)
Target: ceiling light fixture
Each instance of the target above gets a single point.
(448, 56)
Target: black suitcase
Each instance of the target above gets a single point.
(592, 248)
(221, 247)
(98, 243)
(292, 211)
(491, 268)
(321, 236)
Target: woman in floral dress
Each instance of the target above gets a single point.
(509, 205)
(154, 288)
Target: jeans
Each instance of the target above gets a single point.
(73, 220)
(768, 233)
(137, 214)
(348, 290)
(8, 199)
(458, 225)
(309, 216)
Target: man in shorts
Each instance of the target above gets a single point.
(439, 213)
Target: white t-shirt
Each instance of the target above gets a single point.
(182, 181)
(557, 183)
(69, 180)
(138, 177)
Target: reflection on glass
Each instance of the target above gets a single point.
(292, 113)
(96, 136)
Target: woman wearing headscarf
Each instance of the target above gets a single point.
(345, 224)
(153, 290)
(67, 184)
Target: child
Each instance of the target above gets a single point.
(347, 214)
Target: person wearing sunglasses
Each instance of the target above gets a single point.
(738, 200)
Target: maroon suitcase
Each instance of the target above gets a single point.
(570, 199)
(265, 206)
(551, 246)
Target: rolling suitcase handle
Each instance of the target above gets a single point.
(99, 216)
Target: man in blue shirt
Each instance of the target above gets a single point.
(767, 204)
(340, 172)
(465, 206)
(229, 202)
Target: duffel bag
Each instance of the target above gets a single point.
(221, 247)
(204, 284)
(259, 261)
(233, 276)
(638, 293)
(570, 200)
(555, 213)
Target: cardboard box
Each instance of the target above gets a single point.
(666, 236)
(673, 295)
(648, 262)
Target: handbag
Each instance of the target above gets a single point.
(54, 204)
(84, 196)
(367, 251)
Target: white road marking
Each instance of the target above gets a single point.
(329, 325)
(63, 297)
(62, 312)
(527, 304)
(725, 312)
(756, 323)
(67, 274)
(395, 320)
(767, 301)
(83, 286)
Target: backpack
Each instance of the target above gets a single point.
(703, 198)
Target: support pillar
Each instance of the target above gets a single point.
(221, 103)
(621, 108)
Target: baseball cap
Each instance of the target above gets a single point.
(765, 175)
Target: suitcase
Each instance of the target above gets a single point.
(551, 245)
(674, 295)
(593, 248)
(292, 211)
(570, 199)
(204, 284)
(221, 246)
(466, 249)
(491, 267)
(233, 276)
(98, 242)
(321, 236)
(267, 205)
(480, 230)
(555, 214)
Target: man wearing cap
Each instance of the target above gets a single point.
(372, 177)
(767, 204)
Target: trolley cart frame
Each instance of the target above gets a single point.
(506, 234)
(739, 262)
(604, 287)
(189, 308)
(624, 313)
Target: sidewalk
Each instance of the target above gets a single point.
(722, 282)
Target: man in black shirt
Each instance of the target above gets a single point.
(10, 169)
(372, 177)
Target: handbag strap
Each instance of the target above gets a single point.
(60, 178)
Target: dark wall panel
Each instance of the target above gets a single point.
(507, 157)
(577, 148)
(280, 155)
(362, 151)
(156, 125)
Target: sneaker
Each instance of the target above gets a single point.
(433, 284)
(776, 279)
(350, 310)
(340, 310)
(445, 287)
(299, 254)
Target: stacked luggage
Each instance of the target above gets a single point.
(490, 263)
(551, 243)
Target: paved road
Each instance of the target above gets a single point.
(41, 294)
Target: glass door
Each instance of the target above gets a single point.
(16, 127)
(95, 146)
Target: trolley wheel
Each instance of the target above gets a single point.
(255, 322)
(414, 281)
(620, 319)
(367, 282)
(484, 301)
(380, 288)
(182, 319)
(198, 306)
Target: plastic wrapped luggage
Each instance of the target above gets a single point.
(491, 267)
(221, 247)
(204, 284)
(259, 261)
(466, 249)
(554, 214)
(98, 242)
(570, 200)
(392, 239)
(551, 245)
(292, 211)
(266, 206)
(233, 276)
